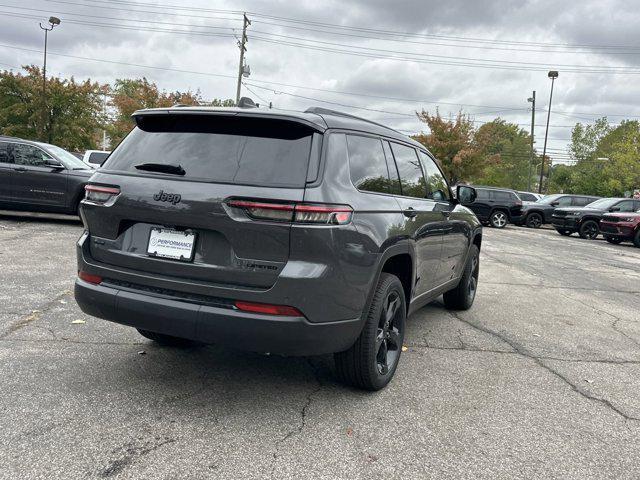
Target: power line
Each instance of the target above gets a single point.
(354, 28)
(353, 35)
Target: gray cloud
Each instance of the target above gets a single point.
(601, 22)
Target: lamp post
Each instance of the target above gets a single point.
(553, 74)
(53, 22)
(531, 100)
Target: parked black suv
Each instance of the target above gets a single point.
(40, 177)
(496, 206)
(291, 233)
(534, 215)
(586, 220)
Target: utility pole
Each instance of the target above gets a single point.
(53, 21)
(243, 48)
(531, 99)
(552, 75)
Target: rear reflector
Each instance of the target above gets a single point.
(89, 278)
(99, 194)
(298, 213)
(268, 309)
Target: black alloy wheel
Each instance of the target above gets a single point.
(589, 230)
(534, 220)
(389, 336)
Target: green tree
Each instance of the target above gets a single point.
(129, 95)
(504, 151)
(452, 143)
(70, 117)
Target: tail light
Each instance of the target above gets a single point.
(268, 309)
(100, 195)
(295, 212)
(90, 278)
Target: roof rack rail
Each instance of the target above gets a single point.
(327, 111)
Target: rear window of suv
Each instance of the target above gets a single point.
(225, 149)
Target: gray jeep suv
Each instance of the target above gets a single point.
(271, 231)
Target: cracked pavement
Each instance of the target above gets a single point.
(540, 379)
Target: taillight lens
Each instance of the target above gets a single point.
(90, 278)
(282, 212)
(295, 212)
(100, 195)
(268, 309)
(328, 214)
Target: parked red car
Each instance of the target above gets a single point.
(620, 227)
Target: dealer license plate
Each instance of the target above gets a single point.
(173, 244)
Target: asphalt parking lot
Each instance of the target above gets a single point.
(540, 379)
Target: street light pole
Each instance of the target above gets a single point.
(552, 75)
(532, 99)
(53, 21)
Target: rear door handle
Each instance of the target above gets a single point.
(410, 212)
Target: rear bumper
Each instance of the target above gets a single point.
(213, 324)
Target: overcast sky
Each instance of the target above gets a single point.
(595, 45)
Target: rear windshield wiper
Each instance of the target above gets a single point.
(161, 168)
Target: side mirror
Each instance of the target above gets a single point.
(465, 194)
(614, 209)
(554, 204)
(53, 163)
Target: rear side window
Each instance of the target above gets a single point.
(501, 196)
(581, 201)
(411, 178)
(97, 157)
(437, 187)
(236, 150)
(527, 197)
(4, 153)
(367, 164)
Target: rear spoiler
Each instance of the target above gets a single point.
(315, 122)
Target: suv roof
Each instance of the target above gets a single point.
(318, 118)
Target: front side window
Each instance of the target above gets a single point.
(626, 206)
(564, 202)
(29, 155)
(437, 187)
(482, 194)
(411, 178)
(4, 153)
(367, 164)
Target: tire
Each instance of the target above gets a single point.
(613, 239)
(462, 297)
(498, 219)
(564, 233)
(372, 360)
(589, 230)
(636, 238)
(166, 340)
(534, 220)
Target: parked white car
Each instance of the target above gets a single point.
(95, 158)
